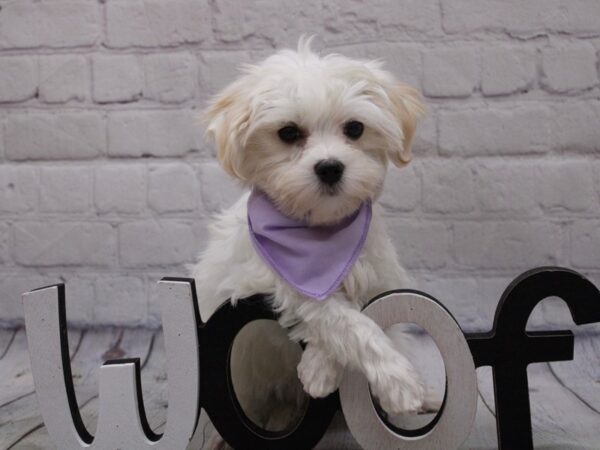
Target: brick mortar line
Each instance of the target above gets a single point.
(203, 158)
(406, 38)
(441, 104)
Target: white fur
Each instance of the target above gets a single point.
(319, 94)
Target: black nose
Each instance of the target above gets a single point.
(329, 171)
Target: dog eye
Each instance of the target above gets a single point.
(353, 129)
(289, 134)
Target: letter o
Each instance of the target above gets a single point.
(455, 419)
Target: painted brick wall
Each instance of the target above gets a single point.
(105, 182)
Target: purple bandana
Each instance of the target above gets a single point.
(314, 260)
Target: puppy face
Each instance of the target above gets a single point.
(314, 133)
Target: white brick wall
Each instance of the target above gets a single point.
(106, 183)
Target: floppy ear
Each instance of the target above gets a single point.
(404, 104)
(227, 118)
(408, 109)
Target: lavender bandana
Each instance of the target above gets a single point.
(314, 260)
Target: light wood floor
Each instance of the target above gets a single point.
(565, 396)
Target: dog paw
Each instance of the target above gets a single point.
(431, 403)
(398, 387)
(319, 374)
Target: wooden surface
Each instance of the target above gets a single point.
(565, 396)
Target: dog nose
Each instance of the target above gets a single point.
(329, 171)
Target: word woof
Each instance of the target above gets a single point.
(198, 371)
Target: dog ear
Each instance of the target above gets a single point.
(227, 118)
(408, 109)
(404, 104)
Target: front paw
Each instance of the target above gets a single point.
(397, 386)
(320, 375)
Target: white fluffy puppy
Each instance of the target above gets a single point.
(274, 127)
